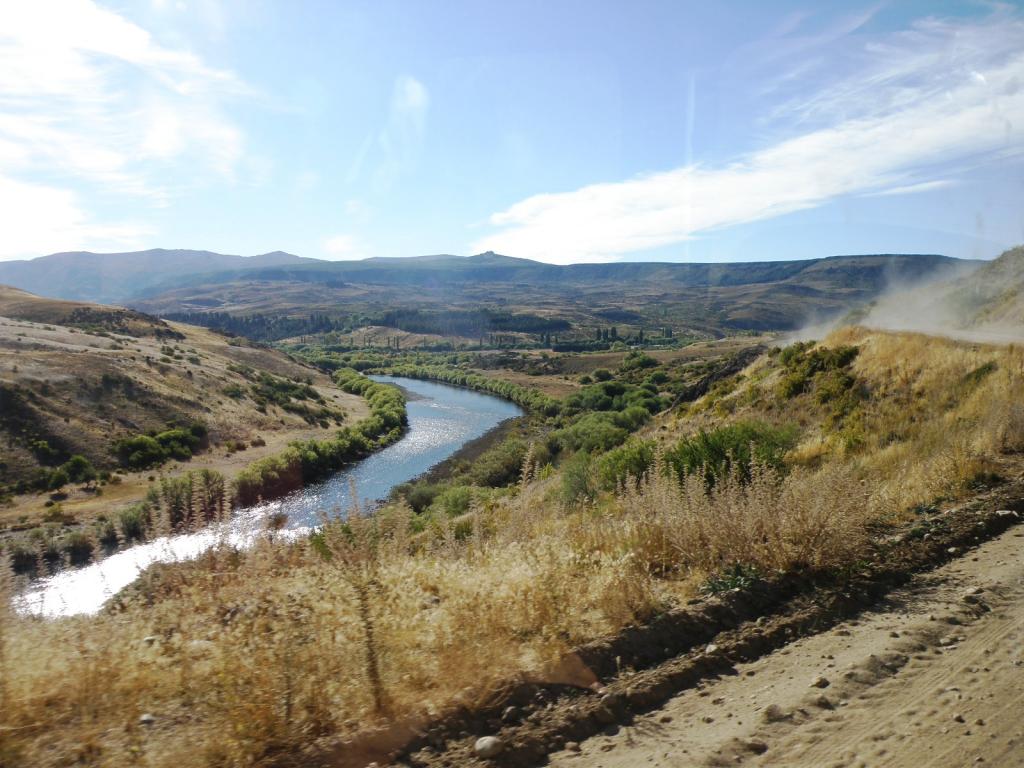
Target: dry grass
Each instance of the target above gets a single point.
(248, 659)
(244, 658)
(940, 412)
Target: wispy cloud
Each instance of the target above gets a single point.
(401, 140)
(938, 93)
(913, 189)
(90, 101)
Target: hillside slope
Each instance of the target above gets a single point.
(986, 305)
(994, 295)
(75, 378)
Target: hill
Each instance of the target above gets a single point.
(697, 299)
(75, 378)
(114, 277)
(994, 295)
(985, 305)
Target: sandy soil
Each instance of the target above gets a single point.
(933, 676)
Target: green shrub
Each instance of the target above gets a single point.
(453, 501)
(419, 496)
(57, 479)
(501, 465)
(139, 452)
(44, 452)
(144, 451)
(594, 432)
(631, 460)
(79, 469)
(803, 362)
(578, 479)
(636, 360)
(134, 521)
(731, 449)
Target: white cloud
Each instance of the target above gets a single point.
(89, 99)
(885, 128)
(37, 218)
(913, 189)
(342, 248)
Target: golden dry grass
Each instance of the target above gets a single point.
(243, 659)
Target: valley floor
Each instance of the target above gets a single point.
(928, 677)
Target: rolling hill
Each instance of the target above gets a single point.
(573, 300)
(76, 377)
(115, 277)
(699, 299)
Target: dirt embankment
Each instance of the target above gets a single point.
(931, 675)
(913, 659)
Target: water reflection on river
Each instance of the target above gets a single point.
(441, 420)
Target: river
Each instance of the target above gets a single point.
(442, 419)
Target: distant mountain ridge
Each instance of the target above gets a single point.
(116, 277)
(869, 271)
(703, 297)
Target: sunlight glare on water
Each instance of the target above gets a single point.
(441, 420)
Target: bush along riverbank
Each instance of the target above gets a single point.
(196, 498)
(303, 462)
(530, 399)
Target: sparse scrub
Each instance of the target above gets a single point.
(246, 657)
(303, 462)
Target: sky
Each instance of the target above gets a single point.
(559, 130)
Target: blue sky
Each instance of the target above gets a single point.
(556, 130)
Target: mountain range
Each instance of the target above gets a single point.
(699, 297)
(117, 277)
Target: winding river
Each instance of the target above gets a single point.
(442, 419)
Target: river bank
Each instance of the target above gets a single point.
(441, 421)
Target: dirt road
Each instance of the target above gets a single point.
(933, 676)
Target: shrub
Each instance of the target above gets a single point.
(144, 451)
(134, 521)
(803, 362)
(637, 360)
(731, 449)
(577, 479)
(631, 460)
(44, 452)
(500, 465)
(453, 501)
(77, 548)
(57, 479)
(139, 452)
(79, 469)
(419, 496)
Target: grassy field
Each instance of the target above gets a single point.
(792, 464)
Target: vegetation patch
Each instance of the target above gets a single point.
(303, 462)
(150, 450)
